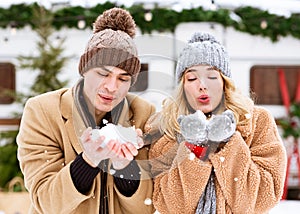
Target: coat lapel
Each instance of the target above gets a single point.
(74, 124)
(124, 118)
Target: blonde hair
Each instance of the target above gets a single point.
(173, 107)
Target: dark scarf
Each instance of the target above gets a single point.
(89, 120)
(207, 202)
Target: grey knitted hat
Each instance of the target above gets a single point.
(112, 43)
(203, 49)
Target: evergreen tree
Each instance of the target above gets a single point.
(48, 63)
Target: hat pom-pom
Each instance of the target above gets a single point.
(202, 37)
(115, 19)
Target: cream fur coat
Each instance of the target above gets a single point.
(249, 171)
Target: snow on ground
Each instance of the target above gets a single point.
(286, 206)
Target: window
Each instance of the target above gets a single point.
(265, 83)
(141, 83)
(7, 82)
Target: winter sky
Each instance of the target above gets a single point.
(281, 7)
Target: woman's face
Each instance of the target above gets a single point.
(106, 87)
(203, 87)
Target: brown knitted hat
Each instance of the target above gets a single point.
(112, 43)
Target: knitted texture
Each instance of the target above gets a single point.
(112, 43)
(203, 49)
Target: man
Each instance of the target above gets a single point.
(65, 170)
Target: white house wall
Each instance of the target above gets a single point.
(160, 51)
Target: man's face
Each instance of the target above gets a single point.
(106, 87)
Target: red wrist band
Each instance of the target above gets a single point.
(199, 151)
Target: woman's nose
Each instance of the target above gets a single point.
(202, 85)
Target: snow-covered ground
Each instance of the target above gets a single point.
(286, 206)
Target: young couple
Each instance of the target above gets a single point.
(218, 152)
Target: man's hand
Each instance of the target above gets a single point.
(129, 151)
(120, 153)
(93, 153)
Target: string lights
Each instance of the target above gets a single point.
(13, 28)
(246, 19)
(264, 24)
(148, 16)
(81, 23)
(213, 6)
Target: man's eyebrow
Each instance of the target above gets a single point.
(125, 74)
(108, 70)
(105, 69)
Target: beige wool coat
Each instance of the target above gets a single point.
(249, 171)
(48, 142)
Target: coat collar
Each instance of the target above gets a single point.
(74, 123)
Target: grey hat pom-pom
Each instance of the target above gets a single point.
(203, 36)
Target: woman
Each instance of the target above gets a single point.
(233, 161)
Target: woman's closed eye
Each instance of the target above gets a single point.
(190, 79)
